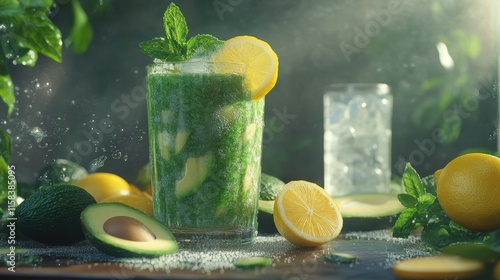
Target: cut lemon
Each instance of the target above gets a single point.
(261, 63)
(306, 215)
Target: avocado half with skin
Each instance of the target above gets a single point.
(265, 217)
(122, 231)
(369, 211)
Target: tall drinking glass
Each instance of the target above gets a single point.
(205, 137)
(357, 138)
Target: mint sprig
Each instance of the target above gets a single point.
(424, 211)
(175, 46)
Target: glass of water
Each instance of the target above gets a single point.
(357, 138)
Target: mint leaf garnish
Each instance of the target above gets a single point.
(407, 200)
(160, 48)
(424, 212)
(405, 224)
(174, 46)
(175, 26)
(412, 181)
(203, 44)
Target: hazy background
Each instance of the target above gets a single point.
(318, 43)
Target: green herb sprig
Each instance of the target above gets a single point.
(424, 211)
(175, 46)
(26, 30)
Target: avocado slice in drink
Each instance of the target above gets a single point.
(196, 171)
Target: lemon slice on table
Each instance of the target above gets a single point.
(261, 63)
(306, 215)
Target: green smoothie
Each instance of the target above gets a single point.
(205, 142)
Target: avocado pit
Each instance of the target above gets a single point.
(128, 228)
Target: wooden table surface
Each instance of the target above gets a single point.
(376, 251)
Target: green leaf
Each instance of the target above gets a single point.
(159, 48)
(406, 223)
(450, 128)
(175, 26)
(81, 31)
(13, 49)
(27, 57)
(429, 184)
(407, 200)
(426, 199)
(436, 235)
(173, 47)
(5, 146)
(6, 85)
(203, 44)
(471, 46)
(7, 92)
(494, 241)
(412, 181)
(5, 151)
(10, 8)
(37, 32)
(477, 251)
(432, 83)
(36, 3)
(426, 115)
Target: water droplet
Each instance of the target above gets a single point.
(117, 155)
(97, 163)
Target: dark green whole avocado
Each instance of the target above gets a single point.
(119, 230)
(51, 215)
(61, 171)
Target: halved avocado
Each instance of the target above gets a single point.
(122, 231)
(265, 217)
(269, 186)
(369, 211)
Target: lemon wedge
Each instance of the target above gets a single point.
(261, 63)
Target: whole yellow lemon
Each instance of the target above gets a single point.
(468, 189)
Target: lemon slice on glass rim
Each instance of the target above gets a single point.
(261, 63)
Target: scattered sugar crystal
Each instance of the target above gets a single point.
(209, 259)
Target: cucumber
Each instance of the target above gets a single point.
(339, 258)
(251, 262)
